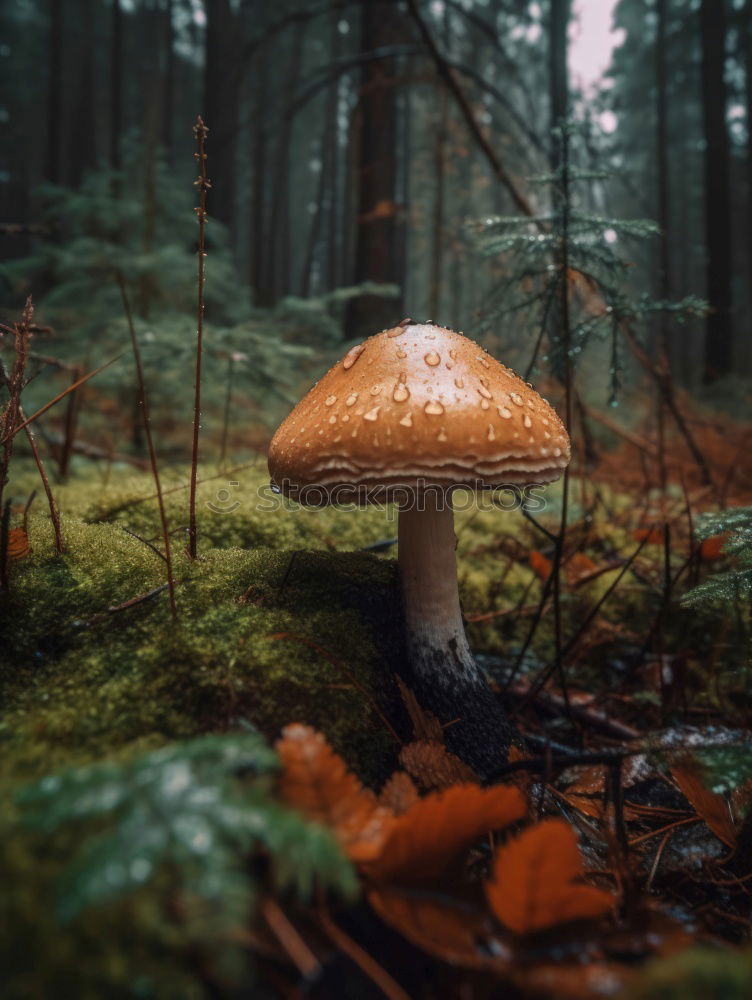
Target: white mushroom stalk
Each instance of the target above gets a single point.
(442, 669)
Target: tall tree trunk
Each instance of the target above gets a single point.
(54, 91)
(718, 331)
(437, 250)
(333, 194)
(377, 252)
(746, 41)
(116, 84)
(278, 255)
(558, 75)
(221, 91)
(258, 247)
(326, 189)
(168, 93)
(82, 148)
(663, 283)
(663, 277)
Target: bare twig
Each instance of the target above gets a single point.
(14, 413)
(47, 406)
(150, 444)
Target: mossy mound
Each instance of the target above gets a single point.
(282, 618)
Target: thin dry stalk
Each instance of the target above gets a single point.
(203, 184)
(14, 420)
(150, 445)
(54, 512)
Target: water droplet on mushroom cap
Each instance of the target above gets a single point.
(401, 393)
(432, 359)
(435, 409)
(352, 356)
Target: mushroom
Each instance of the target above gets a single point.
(409, 416)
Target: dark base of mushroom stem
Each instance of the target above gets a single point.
(448, 683)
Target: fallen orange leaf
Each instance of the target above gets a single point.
(18, 544)
(713, 808)
(712, 548)
(533, 885)
(452, 930)
(651, 536)
(423, 843)
(540, 565)
(578, 567)
(315, 780)
(433, 766)
(399, 793)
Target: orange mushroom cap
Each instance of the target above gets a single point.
(417, 404)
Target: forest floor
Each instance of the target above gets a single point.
(289, 626)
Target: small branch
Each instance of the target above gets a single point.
(446, 74)
(71, 388)
(131, 603)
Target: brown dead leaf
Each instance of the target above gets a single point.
(315, 780)
(399, 793)
(533, 885)
(578, 568)
(425, 726)
(424, 843)
(651, 536)
(713, 808)
(383, 209)
(433, 766)
(448, 929)
(18, 544)
(540, 564)
(712, 548)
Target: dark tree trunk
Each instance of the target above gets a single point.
(558, 75)
(116, 84)
(437, 251)
(168, 98)
(718, 335)
(746, 41)
(82, 150)
(54, 91)
(259, 249)
(378, 230)
(221, 91)
(278, 256)
(663, 283)
(663, 206)
(326, 189)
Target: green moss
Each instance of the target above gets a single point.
(281, 619)
(698, 974)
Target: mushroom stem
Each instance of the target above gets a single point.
(443, 672)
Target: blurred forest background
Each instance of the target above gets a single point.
(363, 156)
